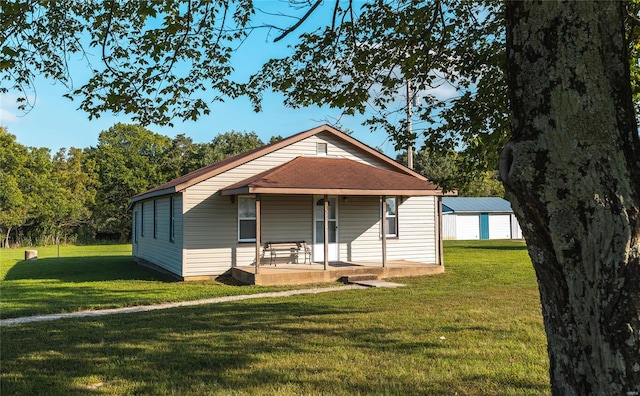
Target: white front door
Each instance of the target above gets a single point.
(318, 229)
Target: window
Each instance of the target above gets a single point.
(246, 219)
(155, 219)
(391, 217)
(142, 219)
(321, 149)
(135, 226)
(172, 219)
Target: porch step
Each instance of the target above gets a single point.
(358, 278)
(378, 283)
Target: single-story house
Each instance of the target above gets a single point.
(466, 218)
(321, 189)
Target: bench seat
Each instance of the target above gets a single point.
(289, 250)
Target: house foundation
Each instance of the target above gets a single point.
(301, 274)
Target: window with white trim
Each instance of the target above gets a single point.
(142, 219)
(172, 219)
(155, 219)
(246, 219)
(391, 217)
(135, 226)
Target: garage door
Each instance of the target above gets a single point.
(499, 226)
(467, 227)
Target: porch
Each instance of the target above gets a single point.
(356, 218)
(300, 274)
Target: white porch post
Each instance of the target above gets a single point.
(258, 220)
(326, 231)
(384, 231)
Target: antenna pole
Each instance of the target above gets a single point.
(409, 127)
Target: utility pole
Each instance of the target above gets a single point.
(409, 127)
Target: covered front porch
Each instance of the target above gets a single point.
(300, 274)
(346, 213)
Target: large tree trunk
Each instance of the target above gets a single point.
(572, 174)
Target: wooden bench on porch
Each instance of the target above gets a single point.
(289, 250)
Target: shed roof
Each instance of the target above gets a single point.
(475, 204)
(199, 175)
(325, 175)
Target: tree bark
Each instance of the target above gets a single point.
(572, 174)
(7, 236)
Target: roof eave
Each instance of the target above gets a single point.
(465, 211)
(330, 191)
(157, 193)
(237, 191)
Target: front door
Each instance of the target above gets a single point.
(318, 229)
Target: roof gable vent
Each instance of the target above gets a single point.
(321, 149)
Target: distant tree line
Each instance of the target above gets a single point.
(449, 169)
(82, 195)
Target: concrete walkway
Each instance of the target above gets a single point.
(145, 308)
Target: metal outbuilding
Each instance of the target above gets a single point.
(468, 218)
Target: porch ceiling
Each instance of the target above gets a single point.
(332, 176)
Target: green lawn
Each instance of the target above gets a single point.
(92, 277)
(475, 330)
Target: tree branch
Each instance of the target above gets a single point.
(188, 17)
(335, 14)
(300, 22)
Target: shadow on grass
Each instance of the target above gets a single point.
(84, 269)
(227, 279)
(257, 348)
(497, 247)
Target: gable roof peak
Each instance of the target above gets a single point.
(211, 170)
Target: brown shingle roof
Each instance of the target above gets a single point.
(324, 175)
(197, 176)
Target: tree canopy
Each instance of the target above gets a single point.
(83, 194)
(145, 58)
(446, 169)
(160, 61)
(43, 198)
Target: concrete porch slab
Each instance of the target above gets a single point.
(300, 274)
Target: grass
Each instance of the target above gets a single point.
(92, 277)
(475, 330)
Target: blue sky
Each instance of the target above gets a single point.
(54, 121)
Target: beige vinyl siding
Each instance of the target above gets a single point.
(416, 231)
(160, 251)
(340, 148)
(212, 245)
(360, 230)
(287, 218)
(210, 231)
(211, 234)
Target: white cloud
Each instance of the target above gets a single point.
(6, 116)
(6, 112)
(9, 112)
